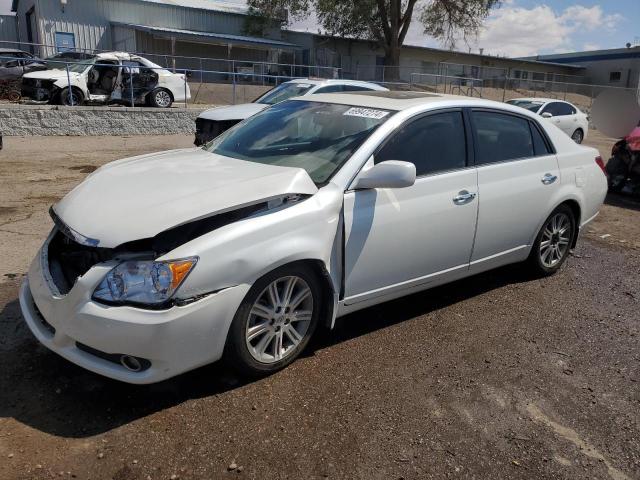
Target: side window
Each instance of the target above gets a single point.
(434, 143)
(558, 109)
(500, 137)
(355, 88)
(539, 145)
(330, 89)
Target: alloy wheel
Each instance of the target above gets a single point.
(163, 99)
(555, 241)
(279, 319)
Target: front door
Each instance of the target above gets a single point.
(405, 237)
(518, 175)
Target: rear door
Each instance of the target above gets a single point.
(517, 175)
(563, 116)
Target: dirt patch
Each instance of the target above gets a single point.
(8, 210)
(84, 168)
(434, 385)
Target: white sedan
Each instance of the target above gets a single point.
(109, 77)
(312, 209)
(214, 121)
(564, 115)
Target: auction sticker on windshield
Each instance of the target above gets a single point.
(366, 112)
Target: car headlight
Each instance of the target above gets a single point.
(143, 282)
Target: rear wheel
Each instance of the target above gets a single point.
(552, 245)
(578, 136)
(275, 321)
(160, 98)
(75, 98)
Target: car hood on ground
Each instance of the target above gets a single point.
(53, 74)
(140, 197)
(233, 112)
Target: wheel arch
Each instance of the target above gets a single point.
(577, 212)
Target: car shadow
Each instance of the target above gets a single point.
(622, 201)
(46, 392)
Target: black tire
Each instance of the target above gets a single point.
(237, 354)
(578, 136)
(78, 98)
(536, 260)
(160, 98)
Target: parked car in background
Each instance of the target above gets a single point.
(311, 209)
(113, 77)
(214, 121)
(60, 60)
(15, 63)
(564, 115)
(624, 165)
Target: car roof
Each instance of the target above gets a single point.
(111, 55)
(538, 100)
(334, 81)
(403, 100)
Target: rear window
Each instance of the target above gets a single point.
(501, 137)
(527, 104)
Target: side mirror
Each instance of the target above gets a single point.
(547, 115)
(11, 64)
(388, 174)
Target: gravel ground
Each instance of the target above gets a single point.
(496, 376)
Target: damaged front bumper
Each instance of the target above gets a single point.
(96, 336)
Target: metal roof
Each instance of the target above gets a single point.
(221, 37)
(212, 5)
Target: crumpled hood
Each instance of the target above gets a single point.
(233, 112)
(138, 198)
(54, 74)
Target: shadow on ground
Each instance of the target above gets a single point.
(50, 394)
(623, 201)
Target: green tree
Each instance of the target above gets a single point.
(384, 21)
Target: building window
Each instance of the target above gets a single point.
(615, 76)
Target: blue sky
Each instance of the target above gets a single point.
(528, 27)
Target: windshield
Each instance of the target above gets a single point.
(80, 66)
(318, 137)
(528, 104)
(284, 92)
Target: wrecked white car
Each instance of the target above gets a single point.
(214, 121)
(113, 77)
(312, 209)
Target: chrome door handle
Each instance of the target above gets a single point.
(463, 197)
(548, 179)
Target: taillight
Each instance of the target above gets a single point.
(600, 163)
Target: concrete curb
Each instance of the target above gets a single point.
(43, 120)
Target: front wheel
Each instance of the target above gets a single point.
(69, 99)
(275, 321)
(160, 98)
(552, 245)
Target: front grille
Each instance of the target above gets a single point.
(69, 260)
(37, 89)
(207, 130)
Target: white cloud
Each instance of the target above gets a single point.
(591, 46)
(517, 31)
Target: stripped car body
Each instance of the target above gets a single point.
(110, 77)
(365, 244)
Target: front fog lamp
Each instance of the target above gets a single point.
(144, 282)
